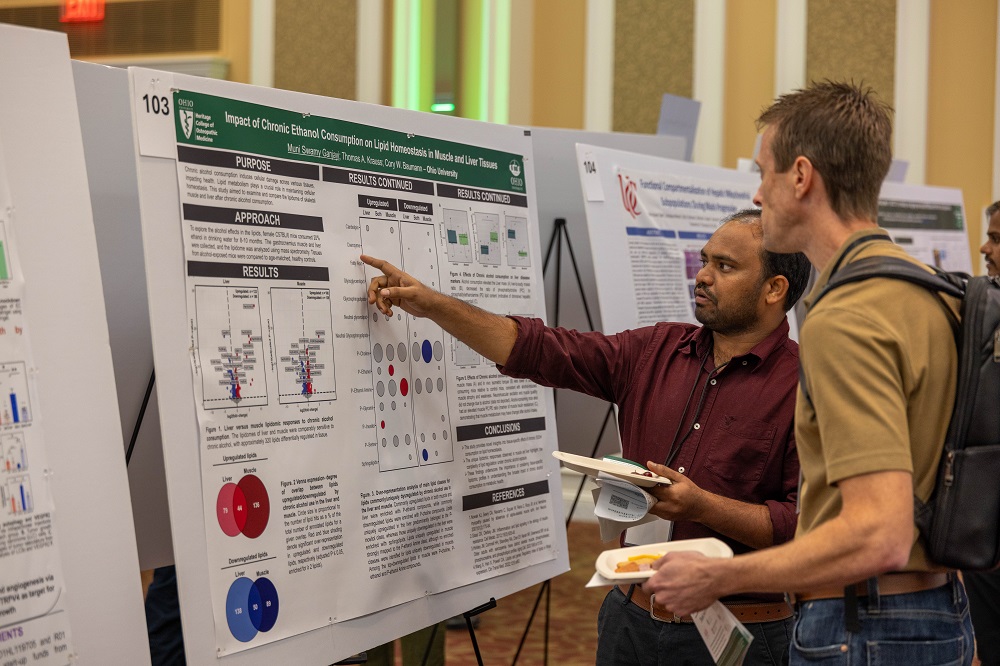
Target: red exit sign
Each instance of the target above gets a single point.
(81, 11)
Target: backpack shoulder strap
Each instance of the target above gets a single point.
(952, 284)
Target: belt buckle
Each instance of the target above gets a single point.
(675, 619)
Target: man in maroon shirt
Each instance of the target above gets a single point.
(709, 407)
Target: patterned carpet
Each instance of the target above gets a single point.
(573, 616)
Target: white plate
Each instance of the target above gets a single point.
(609, 559)
(619, 470)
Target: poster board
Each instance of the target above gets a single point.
(43, 161)
(579, 416)
(106, 124)
(929, 222)
(338, 188)
(653, 215)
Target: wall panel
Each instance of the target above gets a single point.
(654, 54)
(315, 46)
(853, 39)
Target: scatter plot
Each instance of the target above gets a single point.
(230, 347)
(303, 341)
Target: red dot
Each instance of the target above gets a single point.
(383, 425)
(404, 388)
(392, 371)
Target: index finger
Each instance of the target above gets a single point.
(378, 264)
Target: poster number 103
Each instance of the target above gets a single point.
(157, 104)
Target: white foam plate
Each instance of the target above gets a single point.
(608, 561)
(619, 470)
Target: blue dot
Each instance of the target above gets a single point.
(425, 455)
(426, 350)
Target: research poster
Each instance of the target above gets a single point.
(929, 222)
(350, 461)
(34, 624)
(648, 219)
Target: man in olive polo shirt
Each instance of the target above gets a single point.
(879, 366)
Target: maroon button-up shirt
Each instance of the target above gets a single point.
(734, 428)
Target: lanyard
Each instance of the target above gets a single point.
(675, 444)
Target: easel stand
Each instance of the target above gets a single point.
(559, 233)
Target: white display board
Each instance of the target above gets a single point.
(559, 196)
(336, 478)
(106, 123)
(929, 222)
(649, 218)
(48, 215)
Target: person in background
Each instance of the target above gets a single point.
(163, 619)
(879, 374)
(991, 248)
(710, 407)
(984, 586)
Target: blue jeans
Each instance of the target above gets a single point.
(628, 636)
(926, 628)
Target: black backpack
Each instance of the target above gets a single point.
(960, 523)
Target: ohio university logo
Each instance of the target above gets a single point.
(630, 197)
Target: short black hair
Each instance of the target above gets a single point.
(795, 266)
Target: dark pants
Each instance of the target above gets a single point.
(628, 636)
(984, 604)
(163, 619)
(929, 627)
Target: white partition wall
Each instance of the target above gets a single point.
(63, 308)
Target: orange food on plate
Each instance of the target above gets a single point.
(636, 563)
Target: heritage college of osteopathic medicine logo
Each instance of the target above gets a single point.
(187, 121)
(630, 197)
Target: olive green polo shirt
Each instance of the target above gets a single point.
(880, 364)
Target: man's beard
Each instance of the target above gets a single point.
(734, 319)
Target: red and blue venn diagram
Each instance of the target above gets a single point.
(243, 508)
(251, 607)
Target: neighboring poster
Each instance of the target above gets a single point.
(34, 624)
(350, 462)
(929, 222)
(652, 216)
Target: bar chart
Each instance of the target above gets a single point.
(517, 242)
(15, 495)
(456, 224)
(15, 457)
(14, 404)
(488, 238)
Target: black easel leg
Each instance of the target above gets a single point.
(492, 603)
